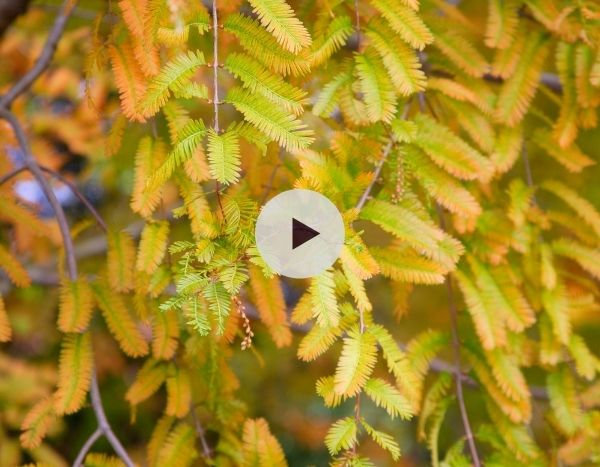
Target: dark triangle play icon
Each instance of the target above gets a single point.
(301, 233)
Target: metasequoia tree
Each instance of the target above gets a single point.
(452, 138)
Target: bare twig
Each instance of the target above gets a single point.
(44, 59)
(386, 152)
(458, 373)
(90, 207)
(457, 366)
(269, 186)
(216, 101)
(38, 174)
(86, 447)
(32, 165)
(207, 452)
(365, 196)
(10, 175)
(64, 180)
(103, 422)
(61, 218)
(357, 24)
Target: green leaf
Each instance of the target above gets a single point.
(263, 46)
(284, 128)
(338, 32)
(224, 156)
(421, 235)
(189, 140)
(279, 19)
(401, 62)
(451, 152)
(259, 79)
(153, 246)
(219, 303)
(389, 398)
(588, 258)
(405, 22)
(324, 303)
(446, 190)
(376, 87)
(172, 78)
(405, 265)
(330, 94)
(359, 355)
(341, 435)
(384, 440)
(563, 395)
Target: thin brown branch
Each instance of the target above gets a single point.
(64, 180)
(457, 365)
(44, 59)
(216, 101)
(90, 207)
(7, 177)
(270, 182)
(365, 196)
(61, 218)
(386, 152)
(357, 24)
(458, 372)
(86, 447)
(207, 452)
(103, 422)
(38, 174)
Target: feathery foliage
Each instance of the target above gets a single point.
(75, 371)
(459, 142)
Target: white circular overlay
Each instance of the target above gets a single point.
(299, 233)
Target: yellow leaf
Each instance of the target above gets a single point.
(74, 373)
(76, 303)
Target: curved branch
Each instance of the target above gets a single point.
(33, 166)
(103, 422)
(67, 182)
(86, 447)
(386, 152)
(45, 57)
(38, 173)
(7, 177)
(458, 374)
(90, 207)
(201, 434)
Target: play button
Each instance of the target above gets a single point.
(299, 233)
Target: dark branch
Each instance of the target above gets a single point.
(216, 100)
(43, 60)
(90, 207)
(10, 175)
(86, 447)
(207, 452)
(38, 174)
(32, 165)
(386, 152)
(103, 422)
(458, 373)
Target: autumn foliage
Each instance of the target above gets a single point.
(459, 140)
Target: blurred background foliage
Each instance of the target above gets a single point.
(69, 112)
